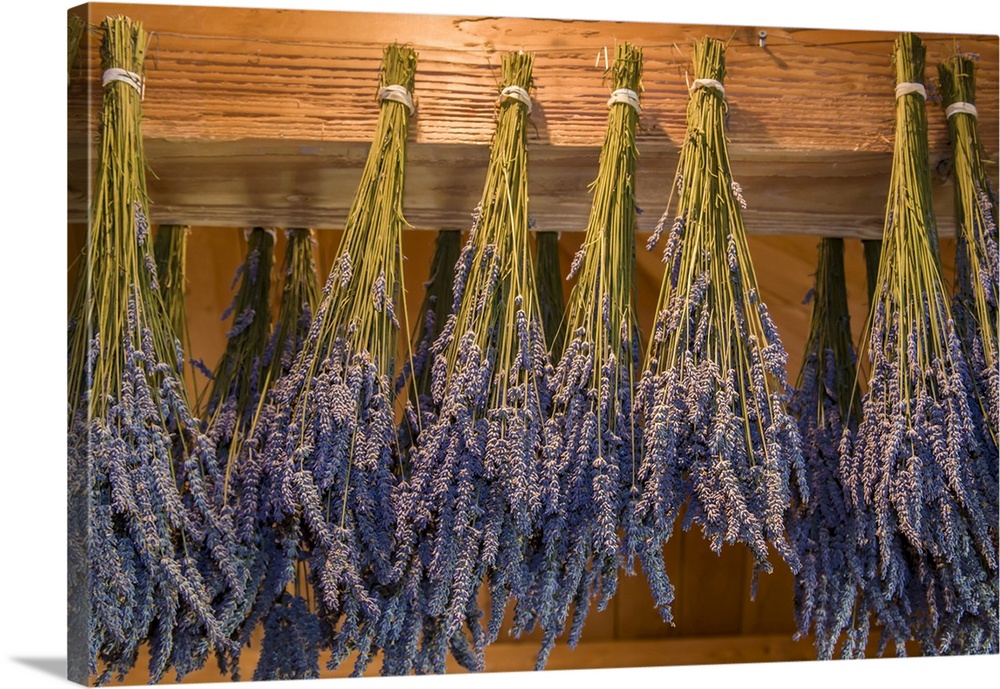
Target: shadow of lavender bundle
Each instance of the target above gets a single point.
(918, 472)
(327, 438)
(591, 452)
(548, 278)
(822, 529)
(468, 510)
(717, 439)
(152, 553)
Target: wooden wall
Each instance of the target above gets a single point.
(262, 117)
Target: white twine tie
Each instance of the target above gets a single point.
(627, 96)
(910, 87)
(517, 93)
(131, 78)
(961, 107)
(398, 94)
(708, 84)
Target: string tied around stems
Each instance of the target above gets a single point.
(709, 84)
(398, 94)
(906, 87)
(517, 93)
(627, 96)
(113, 74)
(961, 107)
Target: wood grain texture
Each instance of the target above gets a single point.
(255, 115)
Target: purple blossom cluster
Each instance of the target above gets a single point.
(468, 511)
(977, 282)
(588, 462)
(922, 484)
(823, 528)
(718, 440)
(165, 570)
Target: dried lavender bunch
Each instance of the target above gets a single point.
(548, 277)
(468, 510)
(170, 253)
(152, 554)
(75, 28)
(300, 295)
(325, 446)
(916, 472)
(591, 454)
(977, 257)
(717, 437)
(421, 411)
(822, 528)
(240, 375)
(287, 617)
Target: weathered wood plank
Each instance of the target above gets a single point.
(266, 114)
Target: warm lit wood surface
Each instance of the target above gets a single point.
(264, 116)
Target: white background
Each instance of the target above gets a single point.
(32, 385)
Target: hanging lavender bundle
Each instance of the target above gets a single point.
(75, 28)
(238, 378)
(327, 441)
(717, 437)
(434, 311)
(916, 472)
(152, 558)
(977, 256)
(548, 277)
(292, 631)
(300, 295)
(821, 529)
(468, 510)
(592, 450)
(170, 253)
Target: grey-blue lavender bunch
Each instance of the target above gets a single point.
(977, 256)
(240, 375)
(152, 552)
(917, 471)
(822, 529)
(468, 510)
(590, 458)
(718, 440)
(325, 445)
(421, 410)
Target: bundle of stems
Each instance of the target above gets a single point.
(152, 557)
(977, 256)
(324, 448)
(468, 509)
(548, 277)
(434, 310)
(718, 439)
(240, 374)
(591, 456)
(293, 634)
(170, 253)
(916, 473)
(300, 295)
(74, 32)
(822, 528)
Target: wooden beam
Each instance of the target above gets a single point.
(256, 116)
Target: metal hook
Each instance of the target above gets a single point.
(762, 38)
